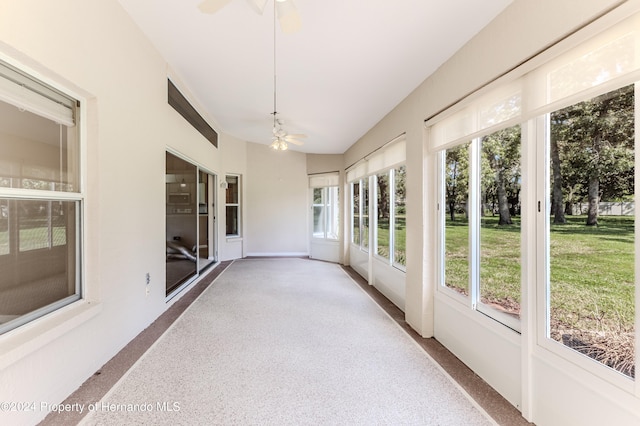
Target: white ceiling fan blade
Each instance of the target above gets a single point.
(212, 6)
(295, 142)
(297, 136)
(288, 16)
(258, 5)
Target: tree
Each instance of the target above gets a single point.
(400, 178)
(382, 181)
(456, 178)
(595, 144)
(557, 204)
(501, 153)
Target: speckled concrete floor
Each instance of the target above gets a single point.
(289, 341)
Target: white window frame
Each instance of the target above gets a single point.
(30, 91)
(351, 213)
(473, 300)
(330, 210)
(390, 260)
(238, 205)
(529, 82)
(540, 134)
(361, 246)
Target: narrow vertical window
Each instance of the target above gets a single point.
(456, 218)
(383, 216)
(400, 216)
(319, 221)
(333, 212)
(232, 199)
(365, 214)
(355, 213)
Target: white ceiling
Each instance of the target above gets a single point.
(351, 63)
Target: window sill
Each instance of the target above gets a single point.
(233, 238)
(22, 341)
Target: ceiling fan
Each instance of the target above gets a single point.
(281, 138)
(285, 9)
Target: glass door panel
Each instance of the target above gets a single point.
(206, 213)
(500, 183)
(319, 220)
(181, 224)
(591, 229)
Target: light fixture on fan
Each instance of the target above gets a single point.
(278, 144)
(281, 139)
(287, 14)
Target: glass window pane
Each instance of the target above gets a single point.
(34, 224)
(233, 205)
(333, 215)
(181, 221)
(365, 214)
(500, 183)
(36, 273)
(456, 233)
(232, 220)
(326, 213)
(384, 214)
(319, 219)
(4, 227)
(400, 221)
(233, 189)
(355, 235)
(592, 229)
(37, 153)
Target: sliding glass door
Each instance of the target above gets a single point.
(206, 220)
(190, 213)
(590, 231)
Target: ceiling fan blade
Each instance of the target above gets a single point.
(297, 136)
(288, 16)
(258, 5)
(212, 6)
(295, 142)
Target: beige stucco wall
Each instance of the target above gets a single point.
(93, 51)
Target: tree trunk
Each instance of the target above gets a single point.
(383, 199)
(557, 204)
(593, 196)
(593, 192)
(452, 213)
(503, 202)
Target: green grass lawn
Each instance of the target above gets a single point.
(592, 268)
(34, 238)
(400, 239)
(591, 274)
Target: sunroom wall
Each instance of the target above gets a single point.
(540, 386)
(94, 51)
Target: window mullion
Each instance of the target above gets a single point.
(392, 215)
(473, 211)
(361, 211)
(636, 239)
(326, 206)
